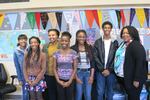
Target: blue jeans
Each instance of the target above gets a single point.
(105, 86)
(85, 87)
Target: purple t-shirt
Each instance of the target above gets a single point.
(64, 64)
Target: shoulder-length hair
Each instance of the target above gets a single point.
(29, 53)
(133, 32)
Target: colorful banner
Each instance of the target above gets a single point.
(90, 17)
(100, 17)
(141, 16)
(127, 16)
(123, 20)
(22, 19)
(1, 19)
(83, 19)
(59, 19)
(31, 18)
(118, 17)
(132, 14)
(38, 19)
(147, 14)
(53, 20)
(44, 19)
(12, 19)
(95, 14)
(113, 17)
(77, 16)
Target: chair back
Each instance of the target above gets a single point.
(3, 74)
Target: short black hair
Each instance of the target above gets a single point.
(133, 32)
(22, 36)
(66, 34)
(107, 23)
(55, 30)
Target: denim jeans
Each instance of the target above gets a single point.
(105, 86)
(25, 94)
(85, 87)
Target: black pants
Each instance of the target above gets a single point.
(51, 91)
(65, 93)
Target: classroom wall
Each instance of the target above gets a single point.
(59, 4)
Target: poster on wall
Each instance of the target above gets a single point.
(11, 1)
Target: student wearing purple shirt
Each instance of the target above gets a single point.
(65, 62)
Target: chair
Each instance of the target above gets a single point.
(4, 87)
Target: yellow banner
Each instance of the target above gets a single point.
(141, 16)
(53, 20)
(1, 19)
(100, 17)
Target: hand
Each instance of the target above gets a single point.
(90, 80)
(61, 82)
(106, 72)
(33, 83)
(79, 81)
(67, 84)
(136, 84)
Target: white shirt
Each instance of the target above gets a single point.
(107, 47)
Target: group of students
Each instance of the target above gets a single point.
(50, 72)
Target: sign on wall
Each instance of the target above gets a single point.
(10, 1)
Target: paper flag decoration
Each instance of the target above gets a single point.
(132, 14)
(77, 16)
(100, 17)
(12, 19)
(147, 11)
(118, 17)
(69, 15)
(122, 17)
(95, 14)
(141, 16)
(22, 18)
(31, 18)
(53, 20)
(38, 18)
(44, 19)
(113, 17)
(83, 19)
(127, 16)
(90, 17)
(1, 19)
(59, 19)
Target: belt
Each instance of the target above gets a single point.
(82, 69)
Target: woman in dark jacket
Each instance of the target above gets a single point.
(135, 71)
(85, 70)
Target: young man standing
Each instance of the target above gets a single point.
(105, 48)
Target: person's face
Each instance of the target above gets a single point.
(22, 42)
(81, 38)
(65, 42)
(52, 35)
(126, 36)
(34, 44)
(107, 29)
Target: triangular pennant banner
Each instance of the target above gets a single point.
(132, 14)
(147, 15)
(123, 20)
(118, 17)
(12, 19)
(59, 19)
(31, 18)
(95, 14)
(90, 17)
(53, 20)
(100, 17)
(1, 19)
(83, 19)
(77, 16)
(44, 19)
(22, 18)
(113, 17)
(38, 18)
(106, 15)
(127, 16)
(140, 15)
(69, 15)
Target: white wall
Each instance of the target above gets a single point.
(59, 4)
